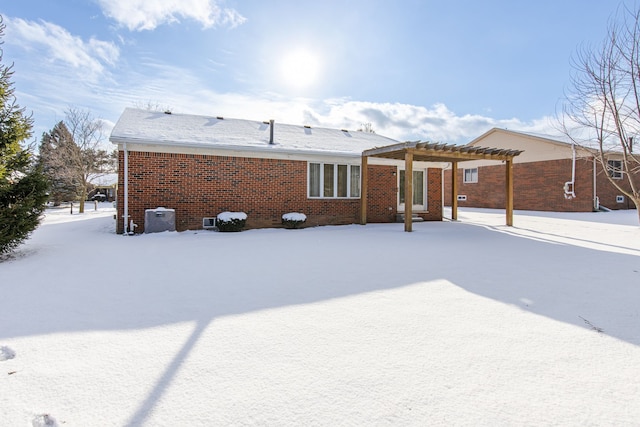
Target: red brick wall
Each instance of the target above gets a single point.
(536, 186)
(607, 192)
(382, 199)
(434, 196)
(382, 204)
(198, 186)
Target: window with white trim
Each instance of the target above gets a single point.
(470, 175)
(332, 180)
(614, 167)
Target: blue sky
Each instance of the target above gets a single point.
(433, 70)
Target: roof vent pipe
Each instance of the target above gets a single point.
(271, 131)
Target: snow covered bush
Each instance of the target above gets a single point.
(231, 221)
(293, 219)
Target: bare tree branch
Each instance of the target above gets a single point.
(89, 161)
(602, 109)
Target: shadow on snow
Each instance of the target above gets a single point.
(110, 282)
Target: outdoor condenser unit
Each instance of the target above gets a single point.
(159, 219)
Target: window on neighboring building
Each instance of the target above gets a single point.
(470, 175)
(614, 167)
(328, 180)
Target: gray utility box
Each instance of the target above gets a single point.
(159, 219)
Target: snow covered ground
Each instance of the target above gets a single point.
(457, 323)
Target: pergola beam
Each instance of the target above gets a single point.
(428, 152)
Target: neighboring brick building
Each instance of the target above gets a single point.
(546, 178)
(201, 166)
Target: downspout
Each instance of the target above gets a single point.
(125, 215)
(596, 200)
(569, 186)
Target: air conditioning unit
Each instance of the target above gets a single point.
(208, 223)
(619, 199)
(462, 198)
(159, 219)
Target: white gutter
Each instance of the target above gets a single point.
(266, 148)
(126, 190)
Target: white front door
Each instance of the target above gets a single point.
(419, 190)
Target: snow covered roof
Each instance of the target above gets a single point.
(105, 180)
(152, 128)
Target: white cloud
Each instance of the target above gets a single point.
(402, 122)
(183, 92)
(60, 46)
(138, 15)
(407, 122)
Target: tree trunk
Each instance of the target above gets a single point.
(83, 197)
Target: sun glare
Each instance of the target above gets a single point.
(300, 68)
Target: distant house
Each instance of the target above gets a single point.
(104, 188)
(201, 166)
(549, 175)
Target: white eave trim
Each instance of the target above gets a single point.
(273, 151)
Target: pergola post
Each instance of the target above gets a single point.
(509, 190)
(454, 191)
(408, 191)
(364, 176)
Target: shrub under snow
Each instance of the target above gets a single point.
(231, 221)
(293, 219)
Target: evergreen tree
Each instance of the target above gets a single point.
(56, 148)
(23, 187)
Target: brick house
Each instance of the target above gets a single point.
(105, 185)
(201, 166)
(549, 175)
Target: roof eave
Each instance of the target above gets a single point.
(268, 148)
